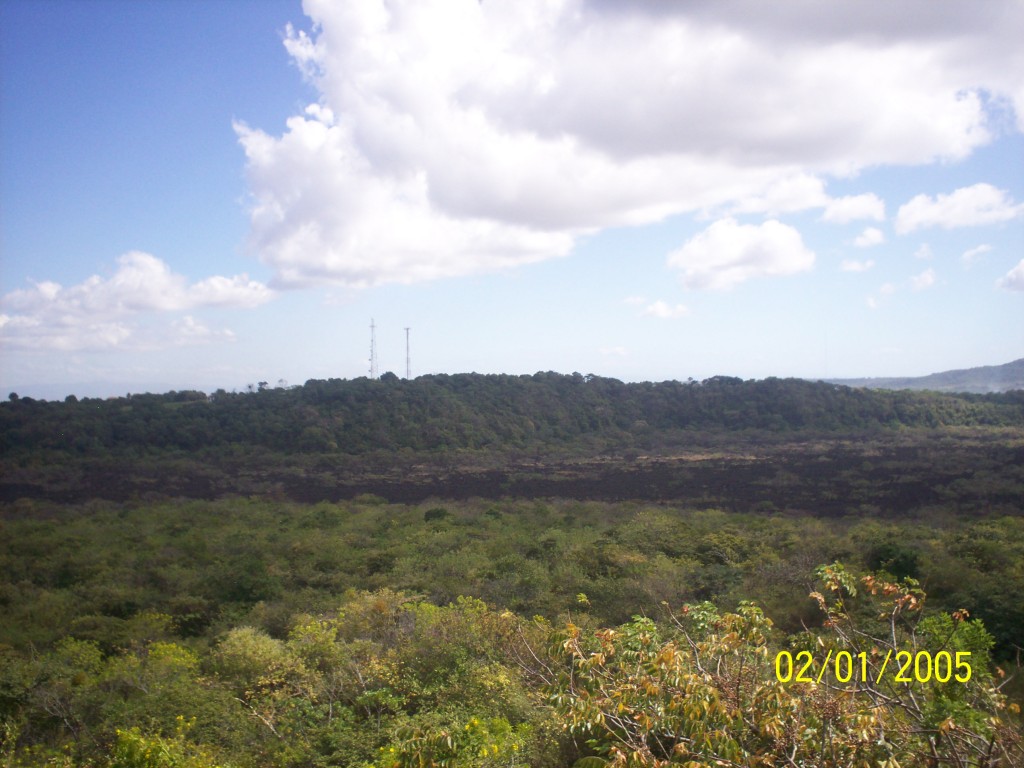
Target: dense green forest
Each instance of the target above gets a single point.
(475, 412)
(773, 444)
(496, 571)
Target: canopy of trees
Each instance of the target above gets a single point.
(256, 633)
(471, 411)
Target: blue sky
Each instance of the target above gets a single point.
(197, 195)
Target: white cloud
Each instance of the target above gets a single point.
(924, 252)
(219, 291)
(885, 289)
(94, 314)
(842, 210)
(665, 311)
(787, 195)
(728, 253)
(453, 136)
(1014, 279)
(968, 206)
(972, 255)
(871, 236)
(188, 331)
(62, 333)
(614, 351)
(850, 265)
(923, 280)
(321, 214)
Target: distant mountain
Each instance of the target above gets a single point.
(987, 378)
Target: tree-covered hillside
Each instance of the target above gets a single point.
(985, 378)
(473, 412)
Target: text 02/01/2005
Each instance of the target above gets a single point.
(901, 666)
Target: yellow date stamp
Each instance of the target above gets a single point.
(896, 667)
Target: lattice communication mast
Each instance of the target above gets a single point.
(408, 366)
(373, 350)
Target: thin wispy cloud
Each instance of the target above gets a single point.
(923, 280)
(972, 255)
(665, 311)
(876, 300)
(869, 237)
(188, 331)
(1014, 279)
(853, 265)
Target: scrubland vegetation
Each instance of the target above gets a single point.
(512, 571)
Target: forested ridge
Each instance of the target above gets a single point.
(475, 412)
(986, 378)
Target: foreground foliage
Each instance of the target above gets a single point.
(390, 681)
(248, 632)
(706, 692)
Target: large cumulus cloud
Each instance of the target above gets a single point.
(454, 136)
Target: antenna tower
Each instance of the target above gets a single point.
(408, 367)
(373, 350)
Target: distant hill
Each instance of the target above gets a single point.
(982, 380)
